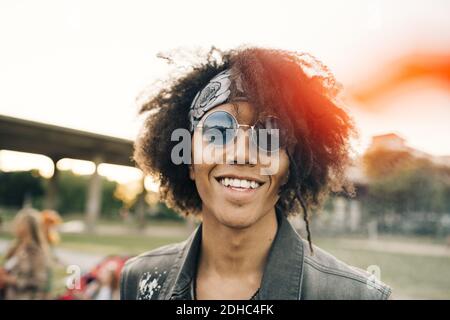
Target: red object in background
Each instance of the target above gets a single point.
(111, 262)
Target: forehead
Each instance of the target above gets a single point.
(244, 112)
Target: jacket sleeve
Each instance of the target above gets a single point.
(126, 286)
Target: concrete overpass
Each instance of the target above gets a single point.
(58, 142)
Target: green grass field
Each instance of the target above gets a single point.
(411, 275)
(108, 244)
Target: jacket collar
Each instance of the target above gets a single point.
(283, 273)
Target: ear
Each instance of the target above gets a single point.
(285, 178)
(191, 172)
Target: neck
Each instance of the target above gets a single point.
(232, 252)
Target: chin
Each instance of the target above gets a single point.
(237, 218)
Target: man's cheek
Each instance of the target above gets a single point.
(203, 182)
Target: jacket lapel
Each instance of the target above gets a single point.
(283, 274)
(185, 267)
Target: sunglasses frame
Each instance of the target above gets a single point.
(237, 126)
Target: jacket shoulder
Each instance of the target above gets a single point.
(144, 276)
(326, 277)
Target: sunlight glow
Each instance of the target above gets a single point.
(80, 167)
(120, 174)
(150, 184)
(21, 161)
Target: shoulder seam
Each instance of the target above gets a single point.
(149, 255)
(382, 289)
(158, 254)
(140, 257)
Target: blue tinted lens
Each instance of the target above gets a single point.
(219, 128)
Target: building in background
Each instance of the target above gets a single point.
(344, 214)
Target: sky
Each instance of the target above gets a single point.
(81, 64)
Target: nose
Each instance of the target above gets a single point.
(242, 151)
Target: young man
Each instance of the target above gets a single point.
(267, 140)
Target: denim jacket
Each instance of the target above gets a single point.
(291, 272)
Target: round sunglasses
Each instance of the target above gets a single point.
(221, 127)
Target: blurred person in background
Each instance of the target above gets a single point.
(50, 220)
(106, 284)
(27, 268)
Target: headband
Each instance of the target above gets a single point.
(215, 93)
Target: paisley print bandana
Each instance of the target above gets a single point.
(215, 93)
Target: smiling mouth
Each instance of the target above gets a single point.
(239, 184)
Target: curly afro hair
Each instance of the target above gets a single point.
(295, 87)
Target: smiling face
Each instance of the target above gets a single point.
(234, 193)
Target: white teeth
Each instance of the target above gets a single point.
(239, 183)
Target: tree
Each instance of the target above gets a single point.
(401, 183)
(16, 186)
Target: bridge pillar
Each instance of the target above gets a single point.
(94, 198)
(141, 207)
(51, 193)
